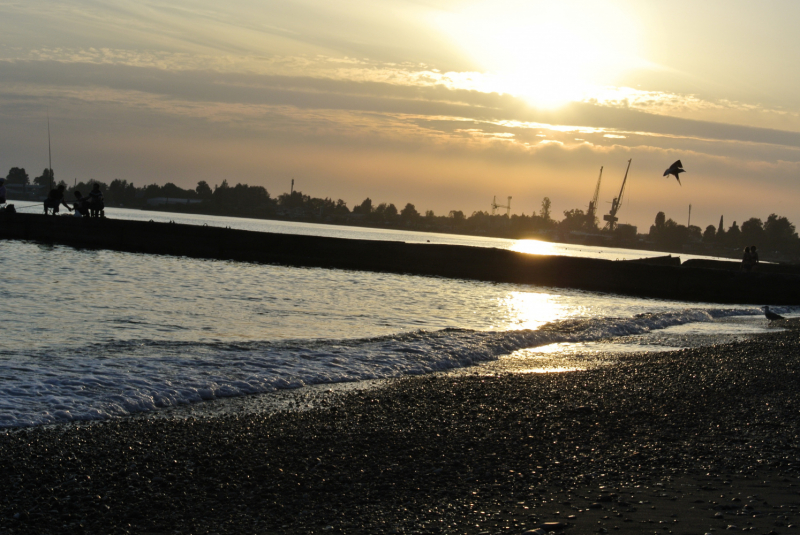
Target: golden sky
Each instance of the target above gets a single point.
(441, 103)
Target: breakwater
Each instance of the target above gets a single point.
(685, 282)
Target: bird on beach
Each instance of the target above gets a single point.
(676, 169)
(771, 316)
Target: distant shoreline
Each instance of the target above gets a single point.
(590, 239)
(554, 234)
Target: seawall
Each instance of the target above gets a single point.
(680, 282)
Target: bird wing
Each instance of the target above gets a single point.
(678, 178)
(677, 164)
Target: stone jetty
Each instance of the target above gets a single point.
(718, 282)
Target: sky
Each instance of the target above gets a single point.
(445, 104)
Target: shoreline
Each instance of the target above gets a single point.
(679, 442)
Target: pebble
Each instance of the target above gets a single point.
(435, 454)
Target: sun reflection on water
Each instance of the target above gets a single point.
(531, 310)
(534, 247)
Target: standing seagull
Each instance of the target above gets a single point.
(676, 169)
(771, 315)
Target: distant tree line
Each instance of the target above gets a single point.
(242, 200)
(18, 175)
(777, 233)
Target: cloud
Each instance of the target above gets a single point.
(306, 93)
(343, 129)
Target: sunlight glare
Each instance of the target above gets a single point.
(534, 247)
(548, 53)
(528, 310)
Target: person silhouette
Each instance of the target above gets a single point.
(54, 199)
(96, 202)
(747, 259)
(81, 204)
(753, 258)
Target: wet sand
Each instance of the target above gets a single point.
(691, 441)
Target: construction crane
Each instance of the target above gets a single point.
(611, 218)
(495, 206)
(591, 213)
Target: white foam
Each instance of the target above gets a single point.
(121, 378)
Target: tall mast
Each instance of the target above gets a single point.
(49, 153)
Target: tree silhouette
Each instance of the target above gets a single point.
(409, 213)
(752, 231)
(17, 175)
(574, 219)
(734, 235)
(544, 213)
(341, 208)
(364, 208)
(203, 190)
(457, 216)
(710, 234)
(779, 232)
(45, 179)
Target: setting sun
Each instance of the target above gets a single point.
(549, 54)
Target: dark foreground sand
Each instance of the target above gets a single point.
(692, 441)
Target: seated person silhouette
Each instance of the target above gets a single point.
(753, 257)
(54, 199)
(95, 201)
(747, 259)
(81, 205)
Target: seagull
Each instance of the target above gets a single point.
(676, 169)
(771, 315)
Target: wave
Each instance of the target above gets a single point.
(120, 378)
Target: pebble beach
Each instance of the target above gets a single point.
(692, 441)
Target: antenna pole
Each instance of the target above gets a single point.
(49, 152)
(689, 224)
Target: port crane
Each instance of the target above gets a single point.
(591, 213)
(495, 206)
(611, 217)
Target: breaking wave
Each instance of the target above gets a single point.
(120, 378)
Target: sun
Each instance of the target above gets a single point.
(548, 53)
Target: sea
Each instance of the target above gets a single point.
(90, 335)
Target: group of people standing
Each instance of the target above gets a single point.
(750, 258)
(90, 206)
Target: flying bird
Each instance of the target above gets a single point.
(676, 169)
(771, 315)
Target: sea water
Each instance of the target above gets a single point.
(95, 334)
